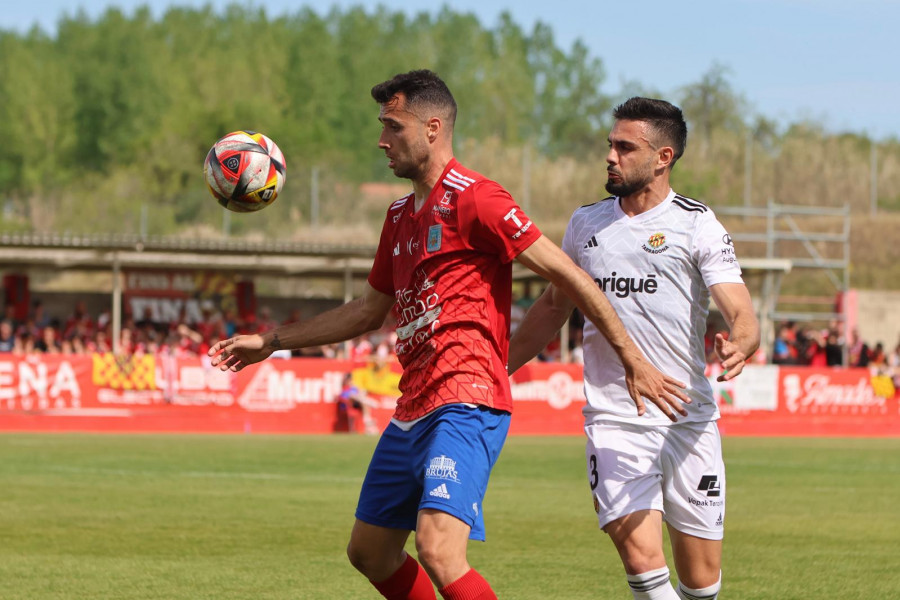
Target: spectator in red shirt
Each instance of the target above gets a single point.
(79, 321)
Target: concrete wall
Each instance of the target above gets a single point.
(878, 317)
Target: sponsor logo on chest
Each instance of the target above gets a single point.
(445, 206)
(622, 287)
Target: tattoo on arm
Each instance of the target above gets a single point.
(275, 343)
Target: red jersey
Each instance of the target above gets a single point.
(449, 266)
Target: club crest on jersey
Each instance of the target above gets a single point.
(433, 244)
(655, 244)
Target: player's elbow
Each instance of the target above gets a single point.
(370, 321)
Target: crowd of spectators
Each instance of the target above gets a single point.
(810, 346)
(82, 333)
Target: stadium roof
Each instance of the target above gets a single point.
(101, 252)
(105, 252)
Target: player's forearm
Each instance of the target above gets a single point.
(551, 263)
(535, 331)
(733, 300)
(337, 325)
(745, 333)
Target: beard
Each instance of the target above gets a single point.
(410, 164)
(628, 186)
(404, 171)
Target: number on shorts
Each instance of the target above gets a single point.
(595, 478)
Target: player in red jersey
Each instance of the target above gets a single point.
(444, 266)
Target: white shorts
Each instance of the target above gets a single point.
(675, 469)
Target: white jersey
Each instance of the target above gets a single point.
(656, 268)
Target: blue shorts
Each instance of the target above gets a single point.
(442, 463)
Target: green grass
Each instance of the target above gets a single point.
(259, 517)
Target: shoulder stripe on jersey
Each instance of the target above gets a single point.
(398, 203)
(460, 176)
(456, 182)
(598, 201)
(692, 202)
(455, 186)
(677, 202)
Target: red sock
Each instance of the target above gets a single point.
(470, 586)
(409, 582)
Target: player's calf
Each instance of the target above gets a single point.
(652, 585)
(409, 582)
(471, 586)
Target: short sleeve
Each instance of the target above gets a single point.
(568, 243)
(381, 277)
(714, 252)
(498, 224)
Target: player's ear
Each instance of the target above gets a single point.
(433, 126)
(665, 156)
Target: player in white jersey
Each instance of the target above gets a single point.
(658, 256)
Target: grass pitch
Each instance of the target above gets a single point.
(266, 518)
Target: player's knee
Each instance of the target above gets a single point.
(365, 561)
(357, 557)
(639, 562)
(431, 553)
(710, 592)
(441, 560)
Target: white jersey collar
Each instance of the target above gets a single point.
(620, 214)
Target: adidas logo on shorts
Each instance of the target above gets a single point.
(440, 492)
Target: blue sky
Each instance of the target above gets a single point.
(829, 60)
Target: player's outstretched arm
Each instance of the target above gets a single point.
(643, 379)
(544, 318)
(733, 300)
(342, 323)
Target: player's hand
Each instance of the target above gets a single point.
(239, 351)
(733, 359)
(646, 381)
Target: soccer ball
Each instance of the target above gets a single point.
(244, 171)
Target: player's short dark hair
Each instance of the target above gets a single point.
(422, 88)
(665, 119)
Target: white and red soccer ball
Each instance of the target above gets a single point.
(244, 171)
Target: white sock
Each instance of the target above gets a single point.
(652, 585)
(707, 593)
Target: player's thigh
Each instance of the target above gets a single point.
(637, 537)
(376, 551)
(441, 543)
(623, 470)
(698, 561)
(694, 480)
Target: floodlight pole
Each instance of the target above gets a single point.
(348, 296)
(116, 303)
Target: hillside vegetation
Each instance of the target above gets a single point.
(106, 124)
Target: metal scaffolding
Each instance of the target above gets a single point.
(811, 238)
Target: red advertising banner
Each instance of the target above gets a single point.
(806, 401)
(163, 393)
